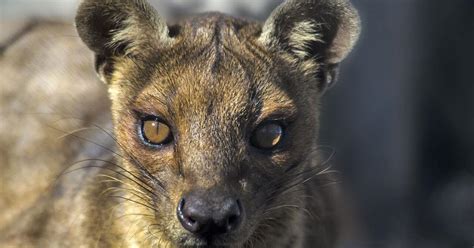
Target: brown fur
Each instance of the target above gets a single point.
(213, 78)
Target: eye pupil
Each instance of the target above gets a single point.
(156, 132)
(267, 136)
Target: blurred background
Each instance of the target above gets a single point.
(401, 117)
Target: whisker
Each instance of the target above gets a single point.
(89, 141)
(111, 188)
(136, 202)
(305, 210)
(135, 214)
(74, 132)
(105, 168)
(116, 180)
(130, 155)
(65, 171)
(134, 194)
(287, 183)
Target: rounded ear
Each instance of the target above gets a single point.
(112, 28)
(316, 35)
(108, 25)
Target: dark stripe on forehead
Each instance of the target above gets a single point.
(254, 94)
(217, 41)
(245, 64)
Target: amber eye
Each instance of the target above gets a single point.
(267, 136)
(155, 132)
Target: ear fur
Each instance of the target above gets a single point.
(315, 35)
(113, 28)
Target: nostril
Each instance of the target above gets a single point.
(232, 222)
(239, 206)
(180, 210)
(234, 216)
(232, 219)
(191, 220)
(187, 221)
(181, 205)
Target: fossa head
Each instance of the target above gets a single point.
(218, 115)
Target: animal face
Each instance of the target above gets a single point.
(217, 116)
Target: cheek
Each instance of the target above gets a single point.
(282, 159)
(160, 163)
(302, 137)
(297, 146)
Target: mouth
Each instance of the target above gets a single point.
(206, 242)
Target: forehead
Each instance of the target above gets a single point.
(216, 68)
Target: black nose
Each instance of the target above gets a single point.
(207, 217)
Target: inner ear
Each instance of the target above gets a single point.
(326, 30)
(120, 28)
(120, 25)
(306, 39)
(313, 35)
